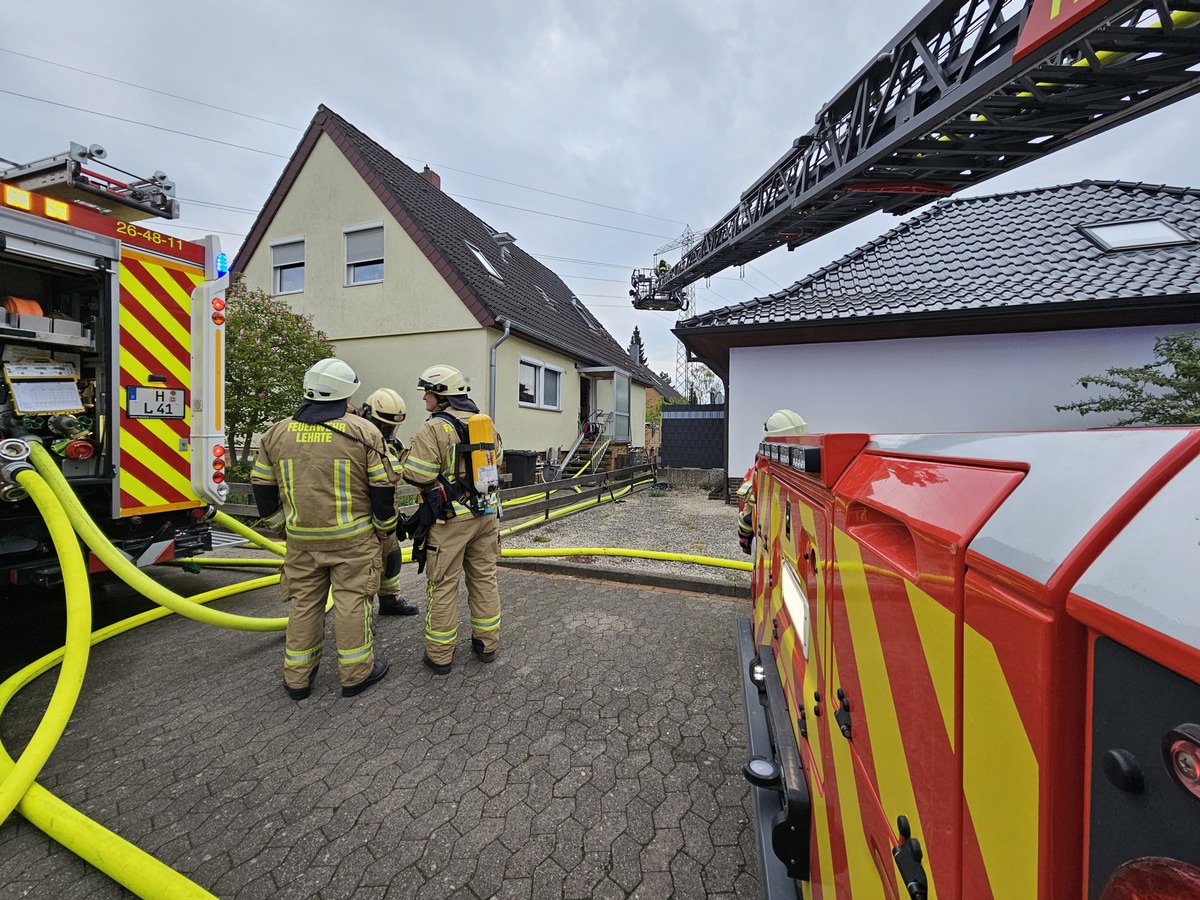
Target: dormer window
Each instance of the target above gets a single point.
(483, 261)
(1139, 235)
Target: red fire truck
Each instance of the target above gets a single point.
(972, 668)
(111, 342)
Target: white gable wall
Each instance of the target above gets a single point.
(391, 331)
(996, 382)
(327, 197)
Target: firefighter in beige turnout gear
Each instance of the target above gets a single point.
(780, 423)
(322, 477)
(385, 409)
(459, 540)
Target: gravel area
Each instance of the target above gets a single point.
(676, 520)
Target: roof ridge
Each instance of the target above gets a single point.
(440, 218)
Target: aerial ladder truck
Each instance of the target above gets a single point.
(972, 663)
(111, 353)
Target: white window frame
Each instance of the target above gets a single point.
(277, 269)
(351, 266)
(621, 434)
(1134, 234)
(539, 384)
(484, 261)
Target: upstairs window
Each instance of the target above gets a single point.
(1134, 235)
(364, 254)
(483, 261)
(287, 266)
(539, 385)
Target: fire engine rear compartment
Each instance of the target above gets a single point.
(61, 288)
(934, 669)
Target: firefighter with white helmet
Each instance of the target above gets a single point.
(322, 477)
(385, 410)
(454, 533)
(781, 423)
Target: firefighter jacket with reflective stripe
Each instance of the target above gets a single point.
(332, 488)
(746, 500)
(434, 452)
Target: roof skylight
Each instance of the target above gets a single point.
(1134, 235)
(483, 260)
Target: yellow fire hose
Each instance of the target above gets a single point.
(636, 554)
(125, 569)
(125, 863)
(122, 861)
(227, 521)
(17, 780)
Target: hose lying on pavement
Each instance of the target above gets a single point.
(16, 781)
(125, 569)
(743, 565)
(125, 863)
(116, 857)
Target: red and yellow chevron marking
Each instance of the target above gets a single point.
(904, 757)
(154, 339)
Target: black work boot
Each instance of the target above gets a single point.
(377, 672)
(302, 693)
(438, 668)
(484, 655)
(395, 605)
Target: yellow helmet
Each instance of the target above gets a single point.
(330, 379)
(446, 381)
(784, 423)
(385, 406)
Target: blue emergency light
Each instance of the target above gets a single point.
(222, 264)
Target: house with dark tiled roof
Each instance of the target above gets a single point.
(401, 277)
(978, 314)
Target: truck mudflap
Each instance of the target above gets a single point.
(779, 788)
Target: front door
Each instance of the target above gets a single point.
(585, 400)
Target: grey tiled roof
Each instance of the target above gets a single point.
(530, 296)
(992, 253)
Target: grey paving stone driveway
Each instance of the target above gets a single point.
(598, 756)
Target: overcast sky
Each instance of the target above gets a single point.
(592, 131)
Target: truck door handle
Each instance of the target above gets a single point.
(909, 855)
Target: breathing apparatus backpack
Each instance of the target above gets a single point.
(475, 472)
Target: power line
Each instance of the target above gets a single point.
(235, 112)
(143, 87)
(541, 191)
(556, 216)
(206, 203)
(199, 137)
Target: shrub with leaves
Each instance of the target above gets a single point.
(1163, 392)
(268, 348)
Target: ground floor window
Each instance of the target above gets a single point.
(539, 384)
(621, 408)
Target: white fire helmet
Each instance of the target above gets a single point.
(785, 423)
(445, 381)
(330, 379)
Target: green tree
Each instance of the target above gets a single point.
(268, 348)
(705, 384)
(637, 350)
(1164, 392)
(654, 413)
